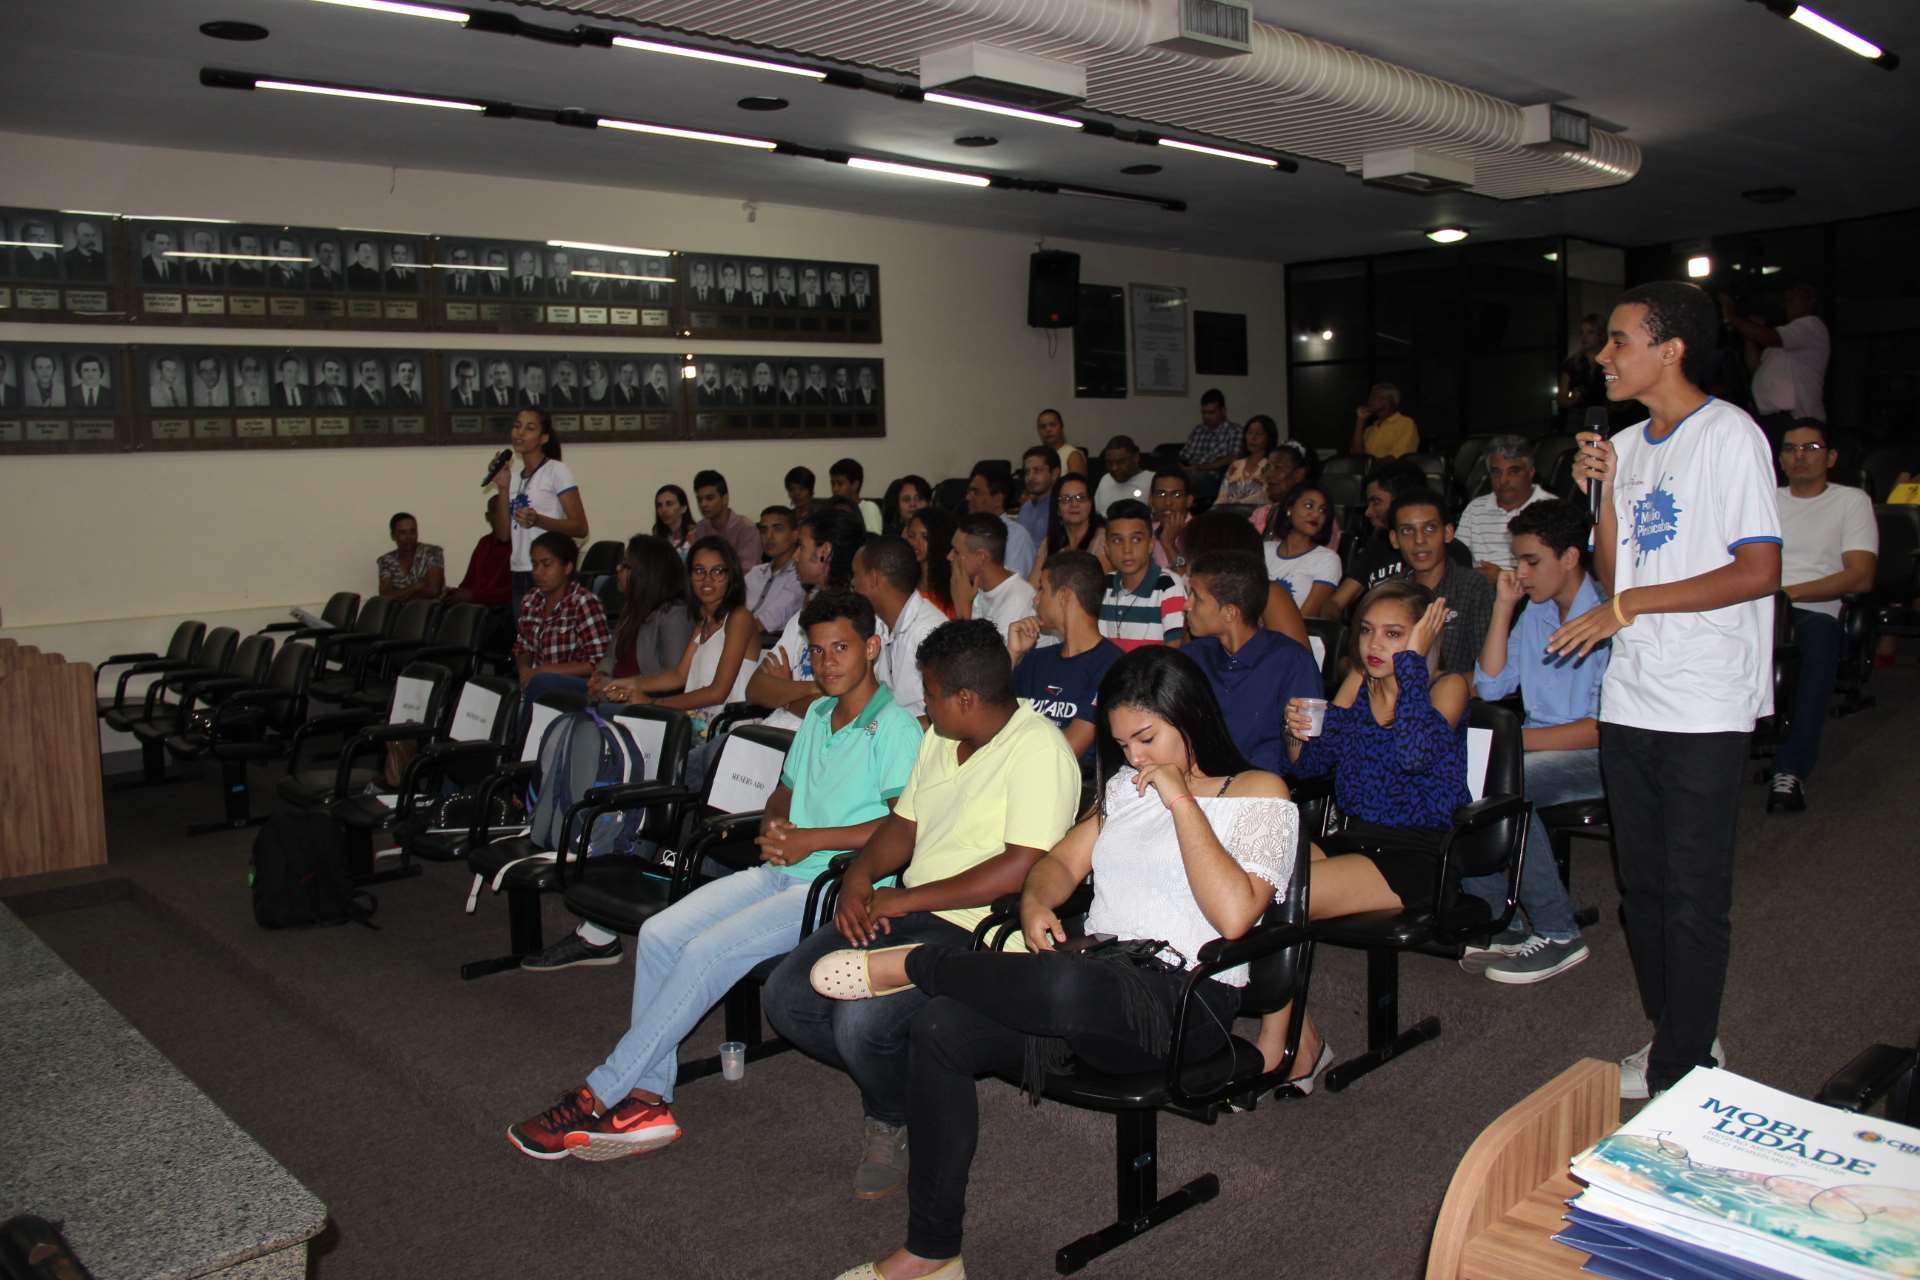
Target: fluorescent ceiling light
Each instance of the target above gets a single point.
(610, 248)
(1699, 267)
(404, 10)
(466, 266)
(294, 86)
(1551, 257)
(29, 244)
(690, 135)
(156, 217)
(915, 171)
(1834, 32)
(1447, 235)
(619, 275)
(90, 213)
(1216, 151)
(1770, 271)
(235, 257)
(948, 100)
(710, 55)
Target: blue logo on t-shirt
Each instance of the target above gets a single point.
(1656, 522)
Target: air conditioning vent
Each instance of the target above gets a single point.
(1413, 170)
(1548, 127)
(1201, 28)
(1005, 76)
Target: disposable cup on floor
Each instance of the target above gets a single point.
(1316, 709)
(733, 1060)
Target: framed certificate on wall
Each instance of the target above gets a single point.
(1157, 318)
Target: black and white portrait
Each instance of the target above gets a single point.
(459, 274)
(759, 287)
(566, 384)
(330, 380)
(159, 243)
(369, 381)
(762, 389)
(590, 281)
(836, 296)
(860, 289)
(248, 268)
(732, 294)
(92, 387)
(528, 282)
(816, 390)
(560, 281)
(290, 388)
(9, 381)
(810, 295)
(406, 388)
(840, 387)
(86, 248)
(169, 377)
(288, 270)
(596, 384)
(363, 267)
(497, 385)
(866, 386)
(45, 383)
(210, 386)
(789, 395)
(463, 383)
(657, 288)
(251, 389)
(700, 286)
(403, 268)
(707, 389)
(658, 392)
(623, 287)
(328, 273)
(38, 255)
(734, 394)
(626, 384)
(533, 385)
(785, 292)
(497, 280)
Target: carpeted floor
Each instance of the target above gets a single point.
(384, 1082)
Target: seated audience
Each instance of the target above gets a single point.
(1245, 484)
(1483, 522)
(1253, 671)
(1380, 430)
(656, 619)
(1053, 434)
(887, 574)
(1418, 526)
(719, 520)
(563, 627)
(1061, 680)
(905, 496)
(1073, 524)
(999, 595)
(1378, 559)
(1039, 470)
(847, 476)
(1143, 603)
(1124, 478)
(725, 637)
(673, 518)
(1188, 844)
(1211, 446)
(1561, 732)
(849, 761)
(1225, 531)
(799, 486)
(489, 578)
(993, 788)
(1171, 506)
(1395, 740)
(774, 593)
(930, 534)
(413, 570)
(1296, 550)
(1288, 466)
(990, 489)
(824, 558)
(1830, 547)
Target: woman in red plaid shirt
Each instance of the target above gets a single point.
(563, 628)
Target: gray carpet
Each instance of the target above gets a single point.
(384, 1082)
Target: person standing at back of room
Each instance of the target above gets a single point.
(1688, 542)
(541, 496)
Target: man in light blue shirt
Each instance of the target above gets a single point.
(1039, 470)
(990, 490)
(1561, 732)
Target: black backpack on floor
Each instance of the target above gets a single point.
(298, 874)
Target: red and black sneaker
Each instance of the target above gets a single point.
(571, 1127)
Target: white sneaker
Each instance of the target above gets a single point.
(1633, 1069)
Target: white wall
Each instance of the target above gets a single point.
(103, 553)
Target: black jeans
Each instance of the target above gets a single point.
(1675, 799)
(983, 1006)
(1817, 636)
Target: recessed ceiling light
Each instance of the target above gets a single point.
(759, 102)
(1447, 235)
(976, 140)
(1699, 267)
(227, 30)
(1141, 170)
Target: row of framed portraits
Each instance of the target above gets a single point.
(89, 397)
(91, 268)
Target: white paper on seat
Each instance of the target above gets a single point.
(1479, 749)
(1319, 647)
(746, 775)
(650, 736)
(312, 621)
(411, 696)
(473, 718)
(543, 715)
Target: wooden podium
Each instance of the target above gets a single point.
(52, 817)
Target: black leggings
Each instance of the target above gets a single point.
(984, 1006)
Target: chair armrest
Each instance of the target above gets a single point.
(246, 700)
(722, 829)
(733, 712)
(825, 887)
(432, 763)
(1487, 811)
(1255, 944)
(332, 725)
(147, 667)
(512, 775)
(1871, 1075)
(629, 795)
(441, 652)
(1220, 954)
(120, 659)
(274, 627)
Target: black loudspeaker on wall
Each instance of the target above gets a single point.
(1053, 289)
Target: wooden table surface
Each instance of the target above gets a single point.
(1520, 1246)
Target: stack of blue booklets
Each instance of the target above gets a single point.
(1720, 1178)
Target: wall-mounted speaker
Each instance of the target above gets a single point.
(1053, 289)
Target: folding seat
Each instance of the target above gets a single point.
(335, 650)
(411, 626)
(250, 725)
(183, 650)
(338, 614)
(454, 643)
(316, 782)
(246, 668)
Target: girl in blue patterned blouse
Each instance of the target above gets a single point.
(1395, 740)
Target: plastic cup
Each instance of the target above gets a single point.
(1316, 709)
(733, 1060)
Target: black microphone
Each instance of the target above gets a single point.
(1596, 422)
(493, 468)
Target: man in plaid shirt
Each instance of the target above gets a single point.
(563, 628)
(1211, 446)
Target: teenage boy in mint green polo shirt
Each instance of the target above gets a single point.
(849, 761)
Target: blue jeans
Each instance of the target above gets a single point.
(684, 961)
(1552, 777)
(867, 1039)
(1818, 638)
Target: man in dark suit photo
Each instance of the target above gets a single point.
(326, 273)
(659, 391)
(593, 285)
(626, 390)
(560, 281)
(289, 272)
(210, 382)
(865, 390)
(405, 392)
(736, 390)
(566, 385)
(860, 296)
(789, 386)
(201, 271)
(656, 290)
(461, 277)
(836, 290)
(403, 276)
(167, 388)
(247, 271)
(730, 284)
(156, 267)
(252, 391)
(331, 390)
(500, 385)
(700, 288)
(533, 386)
(496, 281)
(466, 385)
(764, 392)
(784, 293)
(87, 260)
(40, 259)
(757, 291)
(809, 286)
(290, 389)
(623, 290)
(842, 386)
(45, 390)
(707, 390)
(367, 391)
(363, 273)
(816, 392)
(526, 274)
(90, 390)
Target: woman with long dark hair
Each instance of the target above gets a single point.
(1296, 549)
(539, 496)
(655, 622)
(1073, 524)
(1245, 484)
(673, 518)
(904, 496)
(930, 534)
(1187, 843)
(725, 637)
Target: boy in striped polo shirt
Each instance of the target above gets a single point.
(1144, 604)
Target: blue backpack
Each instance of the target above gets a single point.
(579, 752)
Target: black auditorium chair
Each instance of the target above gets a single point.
(245, 669)
(183, 650)
(1898, 578)
(950, 495)
(338, 614)
(1771, 732)
(1328, 638)
(454, 643)
(1553, 464)
(715, 839)
(411, 630)
(1279, 951)
(1470, 469)
(212, 654)
(481, 718)
(249, 726)
(334, 650)
(215, 657)
(494, 806)
(525, 868)
(1880, 1071)
(599, 560)
(314, 781)
(1434, 467)
(1488, 835)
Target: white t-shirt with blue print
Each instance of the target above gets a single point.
(1683, 504)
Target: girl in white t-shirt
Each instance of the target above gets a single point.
(1297, 551)
(541, 497)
